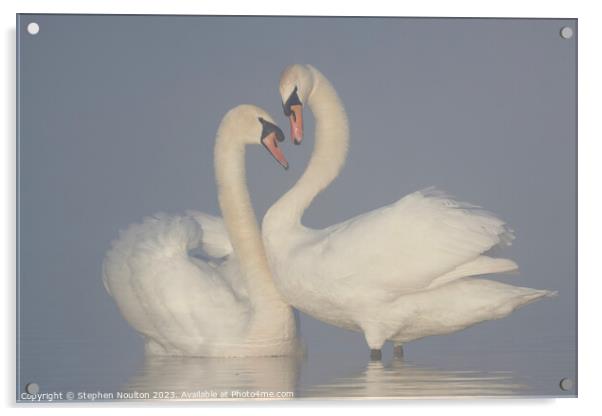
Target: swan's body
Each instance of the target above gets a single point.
(190, 307)
(396, 273)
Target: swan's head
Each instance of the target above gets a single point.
(296, 85)
(253, 125)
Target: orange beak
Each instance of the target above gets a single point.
(296, 119)
(271, 143)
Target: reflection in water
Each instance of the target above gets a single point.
(199, 378)
(402, 379)
(214, 378)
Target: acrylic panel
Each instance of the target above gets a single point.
(117, 120)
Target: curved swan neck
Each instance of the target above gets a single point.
(240, 220)
(328, 157)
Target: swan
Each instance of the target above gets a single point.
(398, 273)
(227, 306)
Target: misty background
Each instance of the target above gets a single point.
(117, 117)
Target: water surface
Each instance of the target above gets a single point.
(93, 371)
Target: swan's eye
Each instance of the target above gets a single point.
(268, 128)
(292, 100)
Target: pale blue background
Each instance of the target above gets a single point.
(117, 120)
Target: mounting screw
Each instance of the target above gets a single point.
(32, 388)
(566, 32)
(566, 384)
(33, 28)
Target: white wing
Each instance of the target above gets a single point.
(407, 245)
(214, 240)
(167, 295)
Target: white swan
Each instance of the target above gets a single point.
(396, 273)
(185, 306)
